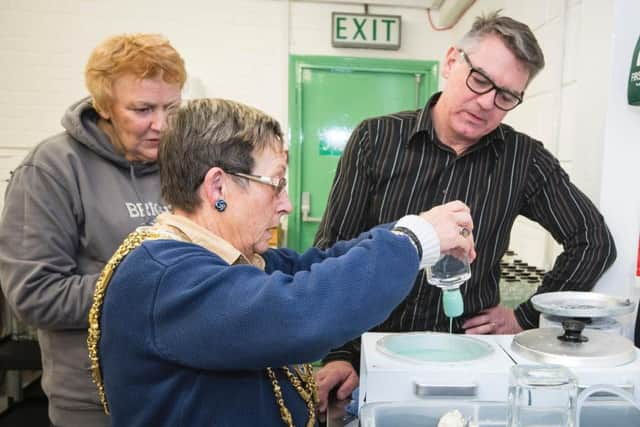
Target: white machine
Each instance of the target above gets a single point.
(387, 377)
(426, 365)
(392, 370)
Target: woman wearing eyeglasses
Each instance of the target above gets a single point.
(197, 322)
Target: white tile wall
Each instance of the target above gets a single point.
(548, 36)
(534, 13)
(571, 44)
(567, 147)
(536, 115)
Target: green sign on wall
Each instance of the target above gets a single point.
(365, 31)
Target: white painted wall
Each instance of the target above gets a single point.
(239, 49)
(620, 196)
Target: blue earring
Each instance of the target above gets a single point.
(220, 205)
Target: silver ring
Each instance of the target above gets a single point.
(464, 232)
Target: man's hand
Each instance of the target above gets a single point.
(333, 374)
(453, 224)
(495, 320)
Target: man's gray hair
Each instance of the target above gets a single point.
(516, 36)
(205, 133)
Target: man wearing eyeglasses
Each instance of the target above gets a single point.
(457, 148)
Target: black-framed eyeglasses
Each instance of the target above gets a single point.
(479, 83)
(279, 183)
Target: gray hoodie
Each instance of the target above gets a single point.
(68, 207)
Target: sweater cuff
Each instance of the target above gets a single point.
(426, 235)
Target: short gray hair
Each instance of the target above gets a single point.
(205, 133)
(516, 36)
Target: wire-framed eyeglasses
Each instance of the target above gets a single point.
(479, 83)
(278, 183)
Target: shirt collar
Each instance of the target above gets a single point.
(424, 124)
(191, 232)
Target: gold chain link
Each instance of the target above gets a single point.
(132, 241)
(304, 383)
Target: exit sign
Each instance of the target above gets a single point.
(365, 31)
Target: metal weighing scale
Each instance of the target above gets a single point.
(597, 311)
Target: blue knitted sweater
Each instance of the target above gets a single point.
(185, 337)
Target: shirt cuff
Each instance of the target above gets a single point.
(527, 316)
(426, 235)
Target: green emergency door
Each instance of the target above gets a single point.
(328, 97)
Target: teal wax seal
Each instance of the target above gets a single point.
(452, 302)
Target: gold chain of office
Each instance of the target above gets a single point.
(302, 381)
(132, 241)
(304, 384)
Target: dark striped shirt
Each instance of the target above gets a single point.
(395, 165)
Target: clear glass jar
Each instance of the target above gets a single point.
(542, 395)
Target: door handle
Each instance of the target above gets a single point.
(418, 80)
(305, 208)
